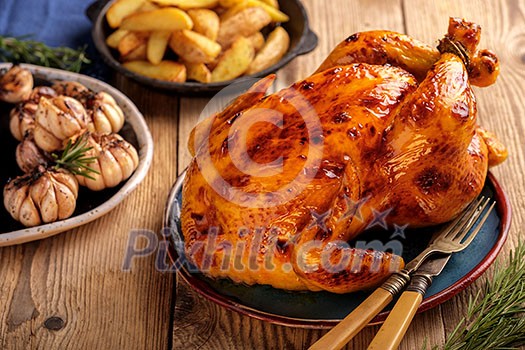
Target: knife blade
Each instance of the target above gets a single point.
(433, 266)
(424, 274)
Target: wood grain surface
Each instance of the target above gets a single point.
(70, 292)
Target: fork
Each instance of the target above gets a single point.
(452, 238)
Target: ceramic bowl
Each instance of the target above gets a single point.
(90, 205)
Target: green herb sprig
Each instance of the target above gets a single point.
(19, 50)
(496, 315)
(74, 159)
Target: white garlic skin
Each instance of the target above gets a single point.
(116, 161)
(42, 197)
(106, 115)
(22, 120)
(71, 89)
(16, 85)
(29, 156)
(57, 120)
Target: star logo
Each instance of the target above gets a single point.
(399, 231)
(379, 218)
(354, 208)
(319, 220)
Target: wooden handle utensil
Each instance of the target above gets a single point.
(393, 330)
(363, 314)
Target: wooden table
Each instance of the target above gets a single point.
(69, 291)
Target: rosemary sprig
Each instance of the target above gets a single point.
(496, 315)
(18, 50)
(74, 158)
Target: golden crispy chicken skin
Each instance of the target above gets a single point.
(279, 184)
(400, 50)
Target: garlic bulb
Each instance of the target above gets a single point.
(22, 120)
(57, 120)
(29, 156)
(16, 85)
(106, 115)
(22, 117)
(41, 197)
(41, 91)
(116, 160)
(71, 89)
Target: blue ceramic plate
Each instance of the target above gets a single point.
(323, 309)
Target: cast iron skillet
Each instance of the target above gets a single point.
(302, 41)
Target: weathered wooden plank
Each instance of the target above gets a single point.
(73, 282)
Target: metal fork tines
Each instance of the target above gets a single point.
(457, 235)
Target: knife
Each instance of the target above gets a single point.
(395, 326)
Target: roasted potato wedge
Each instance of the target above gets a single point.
(188, 4)
(131, 41)
(120, 10)
(272, 3)
(257, 40)
(148, 6)
(275, 48)
(245, 23)
(157, 44)
(229, 3)
(235, 61)
(198, 72)
(205, 22)
(164, 19)
(273, 11)
(194, 47)
(230, 12)
(165, 70)
(277, 16)
(211, 65)
(138, 54)
(114, 39)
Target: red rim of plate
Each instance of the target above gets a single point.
(504, 212)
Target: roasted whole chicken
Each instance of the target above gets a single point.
(385, 131)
